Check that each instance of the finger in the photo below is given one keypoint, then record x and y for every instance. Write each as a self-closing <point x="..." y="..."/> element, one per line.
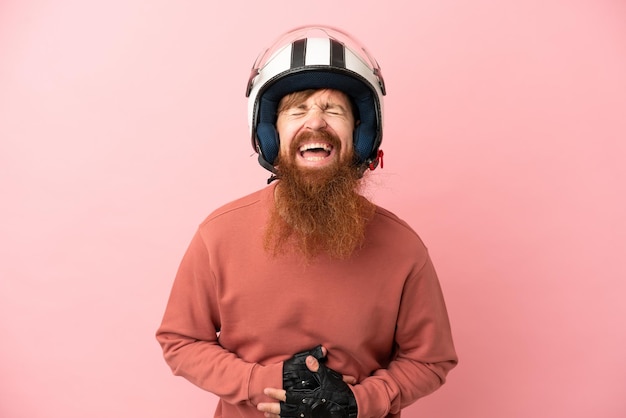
<point x="351" y="380"/>
<point x="278" y="394"/>
<point x="270" y="408"/>
<point x="324" y="351"/>
<point x="312" y="364"/>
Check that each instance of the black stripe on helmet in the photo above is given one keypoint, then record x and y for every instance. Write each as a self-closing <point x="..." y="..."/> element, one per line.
<point x="298" y="53"/>
<point x="337" y="54"/>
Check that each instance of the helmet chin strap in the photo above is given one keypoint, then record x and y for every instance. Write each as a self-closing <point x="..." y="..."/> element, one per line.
<point x="268" y="167"/>
<point x="272" y="178"/>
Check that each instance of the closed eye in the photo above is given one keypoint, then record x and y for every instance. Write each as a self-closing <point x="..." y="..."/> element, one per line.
<point x="334" y="109"/>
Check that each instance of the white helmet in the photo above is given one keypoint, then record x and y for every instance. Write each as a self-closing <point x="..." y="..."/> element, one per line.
<point x="315" y="57"/>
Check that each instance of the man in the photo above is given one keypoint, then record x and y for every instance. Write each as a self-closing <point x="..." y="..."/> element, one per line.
<point x="305" y="299"/>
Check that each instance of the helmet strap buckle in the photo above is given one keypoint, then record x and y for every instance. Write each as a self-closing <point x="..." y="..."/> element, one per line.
<point x="378" y="160"/>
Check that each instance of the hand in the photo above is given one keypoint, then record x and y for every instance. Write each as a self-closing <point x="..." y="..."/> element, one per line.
<point x="296" y="375"/>
<point x="273" y="409"/>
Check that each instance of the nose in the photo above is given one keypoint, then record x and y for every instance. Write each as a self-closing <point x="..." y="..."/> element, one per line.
<point x="315" y="119"/>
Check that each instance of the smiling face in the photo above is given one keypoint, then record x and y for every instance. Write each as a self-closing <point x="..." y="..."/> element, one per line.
<point x="315" y="128"/>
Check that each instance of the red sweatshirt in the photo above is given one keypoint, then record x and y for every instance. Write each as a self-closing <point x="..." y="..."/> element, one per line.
<point x="235" y="313"/>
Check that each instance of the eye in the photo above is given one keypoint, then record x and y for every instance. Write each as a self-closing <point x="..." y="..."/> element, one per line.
<point x="334" y="110"/>
<point x="295" y="112"/>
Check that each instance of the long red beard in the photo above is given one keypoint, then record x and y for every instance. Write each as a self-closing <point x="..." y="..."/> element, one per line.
<point x="318" y="210"/>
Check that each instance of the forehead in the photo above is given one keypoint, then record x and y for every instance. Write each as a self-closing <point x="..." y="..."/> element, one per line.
<point x="330" y="97"/>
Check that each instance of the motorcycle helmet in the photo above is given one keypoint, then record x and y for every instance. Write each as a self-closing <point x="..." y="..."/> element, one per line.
<point x="316" y="57"/>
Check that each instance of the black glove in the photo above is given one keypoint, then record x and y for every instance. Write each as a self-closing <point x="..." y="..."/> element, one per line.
<point x="331" y="398"/>
<point x="296" y="376"/>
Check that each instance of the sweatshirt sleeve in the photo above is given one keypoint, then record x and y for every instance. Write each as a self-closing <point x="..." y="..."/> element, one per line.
<point x="188" y="337"/>
<point x="424" y="351"/>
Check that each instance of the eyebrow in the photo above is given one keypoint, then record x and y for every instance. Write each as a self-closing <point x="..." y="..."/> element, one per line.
<point x="325" y="106"/>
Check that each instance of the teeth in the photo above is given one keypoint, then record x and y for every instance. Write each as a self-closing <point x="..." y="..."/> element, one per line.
<point x="320" y="145"/>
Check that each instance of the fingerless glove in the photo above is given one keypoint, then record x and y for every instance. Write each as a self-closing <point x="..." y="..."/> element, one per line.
<point x="296" y="376"/>
<point x="327" y="396"/>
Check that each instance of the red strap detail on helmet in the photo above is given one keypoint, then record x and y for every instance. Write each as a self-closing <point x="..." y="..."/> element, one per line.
<point x="378" y="160"/>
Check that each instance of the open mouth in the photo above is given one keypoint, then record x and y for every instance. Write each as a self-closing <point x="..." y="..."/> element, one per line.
<point x="315" y="151"/>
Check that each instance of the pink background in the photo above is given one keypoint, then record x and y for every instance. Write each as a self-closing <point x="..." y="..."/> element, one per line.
<point x="123" y="124"/>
